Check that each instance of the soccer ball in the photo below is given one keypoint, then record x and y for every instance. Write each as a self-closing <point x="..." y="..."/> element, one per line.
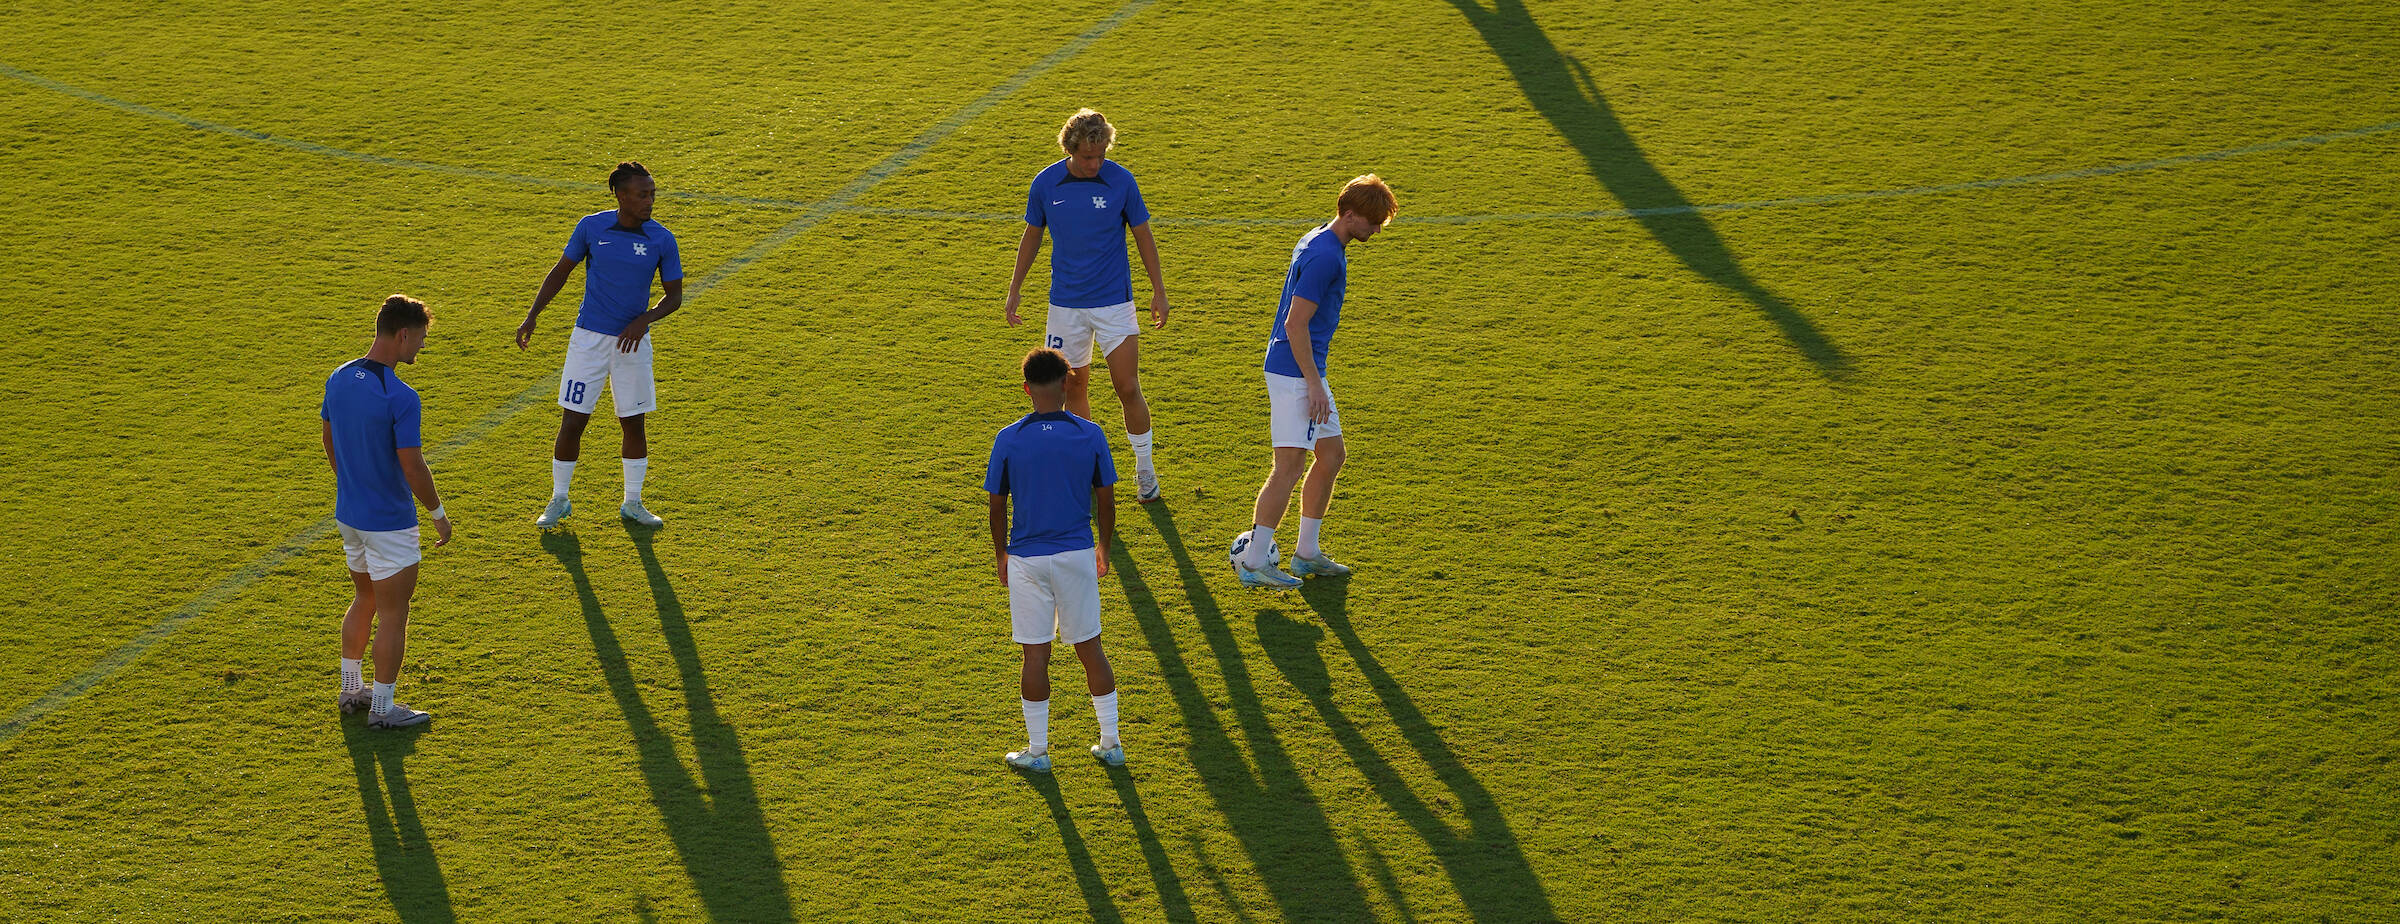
<point x="1241" y="544"/>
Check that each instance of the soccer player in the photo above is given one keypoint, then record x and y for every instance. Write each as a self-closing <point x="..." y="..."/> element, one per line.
<point x="1299" y="400"/>
<point x="1086" y="202"/>
<point x="371" y="438"/>
<point x="611" y="342"/>
<point x="1054" y="465"/>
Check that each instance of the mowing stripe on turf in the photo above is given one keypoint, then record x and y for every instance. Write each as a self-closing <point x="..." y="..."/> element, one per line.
<point x="815" y="211"/>
<point x="241" y="579"/>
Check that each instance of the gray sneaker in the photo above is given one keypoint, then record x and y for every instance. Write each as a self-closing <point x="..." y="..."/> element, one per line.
<point x="632" y="510"/>
<point x="558" y="510"/>
<point x="1149" y="485"/>
<point x="398" y="716"/>
<point x="357" y="700"/>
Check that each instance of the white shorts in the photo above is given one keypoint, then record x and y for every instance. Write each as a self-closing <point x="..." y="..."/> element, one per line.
<point x="1287" y="409"/>
<point x="379" y="554"/>
<point x="1073" y="331"/>
<point x="1054" y="595"/>
<point x="593" y="358"/>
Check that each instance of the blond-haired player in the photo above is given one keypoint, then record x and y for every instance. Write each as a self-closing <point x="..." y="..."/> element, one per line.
<point x="1300" y="400"/>
<point x="1087" y="202"/>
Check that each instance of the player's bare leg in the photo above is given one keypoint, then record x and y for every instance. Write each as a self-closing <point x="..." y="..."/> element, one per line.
<point x="1256" y="564"/>
<point x="358" y="626"/>
<point x="392" y="596"/>
<point x="1079" y="391"/>
<point x="563" y="453"/>
<point x="1125" y="375"/>
<point x="1101" y="682"/>
<point x="1315" y="495"/>
<point x="636" y="452"/>
<point x="1033" y="691"/>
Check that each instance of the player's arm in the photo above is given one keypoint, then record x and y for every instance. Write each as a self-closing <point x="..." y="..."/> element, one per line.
<point x="1104" y="514"/>
<point x="1295" y="329"/>
<point x="329" y="460"/>
<point x="420" y="483"/>
<point x="631" y="339"/>
<point x="1000" y="536"/>
<point x="1027" y="245"/>
<point x="1148" y="246"/>
<point x="550" y="285"/>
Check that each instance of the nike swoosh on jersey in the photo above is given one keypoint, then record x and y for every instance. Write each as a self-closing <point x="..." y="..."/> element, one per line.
<point x="1059" y="202"/>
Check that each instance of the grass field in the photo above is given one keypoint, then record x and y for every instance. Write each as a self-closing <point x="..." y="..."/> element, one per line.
<point x="1881" y="461"/>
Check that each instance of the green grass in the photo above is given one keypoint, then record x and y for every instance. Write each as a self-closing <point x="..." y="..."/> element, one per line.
<point x="2010" y="554"/>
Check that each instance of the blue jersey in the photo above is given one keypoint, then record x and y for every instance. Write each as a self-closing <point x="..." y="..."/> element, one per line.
<point x="374" y="415"/>
<point x="1048" y="465"/>
<point x="1087" y="219"/>
<point x="1320" y="269"/>
<point x="618" y="269"/>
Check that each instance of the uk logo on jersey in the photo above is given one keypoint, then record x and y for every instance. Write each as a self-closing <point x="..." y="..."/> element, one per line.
<point x="1099" y="202"/>
<point x="640" y="250"/>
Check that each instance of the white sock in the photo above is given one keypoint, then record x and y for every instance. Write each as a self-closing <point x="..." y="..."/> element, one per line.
<point x="634" y="470"/>
<point x="1308" y="536"/>
<point x="1141" y="450"/>
<point x="383" y="699"/>
<point x="350" y="678"/>
<point x="1037" y="726"/>
<point x="1254" y="556"/>
<point x="560" y="472"/>
<point x="1106" y="707"/>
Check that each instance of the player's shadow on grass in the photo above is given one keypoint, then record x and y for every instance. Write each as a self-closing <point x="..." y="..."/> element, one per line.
<point x="1561" y="89"/>
<point x="411" y="875"/>
<point x="1484" y="861"/>
<point x="1079" y="856"/>
<point x="715" y="820"/>
<point x="1286" y="833"/>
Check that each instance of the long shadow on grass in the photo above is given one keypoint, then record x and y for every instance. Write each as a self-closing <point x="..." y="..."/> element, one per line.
<point x="1079" y="856"/>
<point x="714" y="821"/>
<point x="411" y="875"/>
<point x="1484" y="862"/>
<point x="1287" y="835"/>
<point x="1172" y="901"/>
<point x="1561" y="89"/>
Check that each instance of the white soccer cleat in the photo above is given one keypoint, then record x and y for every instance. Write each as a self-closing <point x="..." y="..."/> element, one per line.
<point x="398" y="716"/>
<point x="1112" y="755"/>
<point x="558" y="510"/>
<point x="1321" y="566"/>
<point x="1269" y="577"/>
<point x="1027" y="760"/>
<point x="358" y="700"/>
<point x="1148" y="481"/>
<point x="634" y="512"/>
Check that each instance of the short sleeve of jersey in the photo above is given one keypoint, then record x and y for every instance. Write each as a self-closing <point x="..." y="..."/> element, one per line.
<point x="578" y="247"/>
<point x="407" y="417"/>
<point x="1136" y="213"/>
<point x="670" y="263"/>
<point x="1033" y="204"/>
<point x="1316" y="279"/>
<point x="1106" y="474"/>
<point x="995" y="473"/>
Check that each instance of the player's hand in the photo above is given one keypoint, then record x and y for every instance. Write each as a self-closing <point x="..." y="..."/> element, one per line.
<point x="1011" y="310"/>
<point x="1320" y="403"/>
<point x="441" y="532"/>
<point x="1101" y="552"/>
<point x="1000" y="564"/>
<point x="525" y="332"/>
<point x="1158" y="310"/>
<point x="631" y="339"/>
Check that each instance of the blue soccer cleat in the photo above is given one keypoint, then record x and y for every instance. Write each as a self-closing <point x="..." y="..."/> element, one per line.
<point x="556" y="511"/>
<point x="1269" y="577"/>
<point x="1027" y="760"/>
<point x="1321" y="566"/>
<point x="635" y="513"/>
<point x="1112" y="755"/>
